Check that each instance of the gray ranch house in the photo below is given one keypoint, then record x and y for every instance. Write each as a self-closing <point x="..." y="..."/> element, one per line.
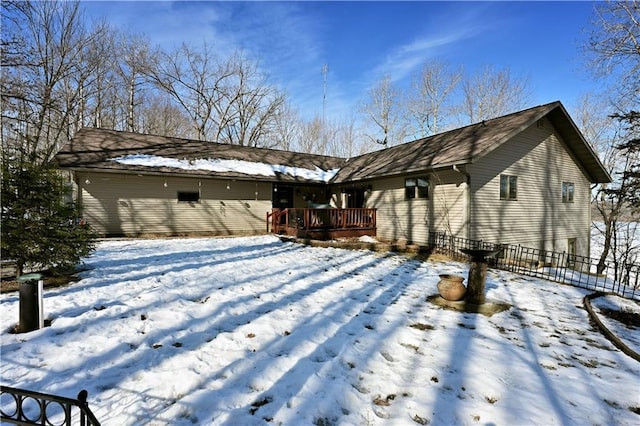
<point x="524" y="178"/>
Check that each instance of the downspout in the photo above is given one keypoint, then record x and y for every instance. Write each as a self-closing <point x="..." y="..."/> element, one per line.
<point x="590" y="214"/>
<point x="467" y="177"/>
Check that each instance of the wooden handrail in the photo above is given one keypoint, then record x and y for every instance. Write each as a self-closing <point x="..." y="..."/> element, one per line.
<point x="326" y="218"/>
<point x="274" y="218"/>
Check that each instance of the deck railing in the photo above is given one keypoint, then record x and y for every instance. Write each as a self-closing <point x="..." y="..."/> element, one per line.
<point x="22" y="407"/>
<point x="320" y="219"/>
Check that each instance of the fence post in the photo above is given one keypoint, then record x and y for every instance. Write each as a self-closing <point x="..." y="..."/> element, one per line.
<point x="597" y="275"/>
<point x="565" y="262"/>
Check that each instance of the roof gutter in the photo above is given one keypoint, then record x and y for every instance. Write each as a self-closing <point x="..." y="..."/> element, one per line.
<point x="168" y="173"/>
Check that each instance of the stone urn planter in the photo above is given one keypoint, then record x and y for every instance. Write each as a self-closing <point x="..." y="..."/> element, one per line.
<point x="451" y="288"/>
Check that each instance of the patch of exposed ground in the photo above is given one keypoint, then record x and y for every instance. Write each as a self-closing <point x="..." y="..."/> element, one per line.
<point x="10" y="283"/>
<point x="628" y="318"/>
<point x="488" y="309"/>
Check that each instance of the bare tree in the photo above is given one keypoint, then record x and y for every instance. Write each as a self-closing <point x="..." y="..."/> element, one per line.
<point x="44" y="71"/>
<point x="132" y="64"/>
<point x="614" y="46"/>
<point x="614" y="50"/>
<point x="249" y="116"/>
<point x="593" y="117"/>
<point x="196" y="80"/>
<point x="429" y="104"/>
<point x="227" y="101"/>
<point x="490" y="93"/>
<point x="159" y="115"/>
<point x="98" y="97"/>
<point x="612" y="204"/>
<point x="382" y="110"/>
<point x="346" y="142"/>
<point x="311" y="136"/>
<point x="329" y="143"/>
<point x="286" y="127"/>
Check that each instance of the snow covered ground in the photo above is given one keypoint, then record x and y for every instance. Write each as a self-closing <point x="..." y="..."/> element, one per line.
<point x="256" y="331"/>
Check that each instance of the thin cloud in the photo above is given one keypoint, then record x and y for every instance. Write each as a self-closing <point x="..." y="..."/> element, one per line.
<point x="287" y="40"/>
<point x="407" y="58"/>
<point x="166" y="24"/>
<point x="280" y="34"/>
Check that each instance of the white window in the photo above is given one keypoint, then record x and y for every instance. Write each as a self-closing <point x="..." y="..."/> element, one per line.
<point x="508" y="187"/>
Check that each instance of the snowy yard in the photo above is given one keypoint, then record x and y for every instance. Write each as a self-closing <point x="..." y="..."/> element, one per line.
<point x="244" y="331"/>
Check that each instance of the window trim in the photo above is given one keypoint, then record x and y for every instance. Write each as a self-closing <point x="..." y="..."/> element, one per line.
<point x="508" y="187"/>
<point x="568" y="192"/>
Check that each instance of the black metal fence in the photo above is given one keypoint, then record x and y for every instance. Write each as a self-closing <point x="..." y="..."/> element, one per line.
<point x="22" y="407"/>
<point x="562" y="267"/>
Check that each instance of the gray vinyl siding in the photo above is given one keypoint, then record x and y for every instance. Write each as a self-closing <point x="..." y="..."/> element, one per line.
<point x="538" y="218"/>
<point x="118" y="204"/>
<point x="400" y="219"/>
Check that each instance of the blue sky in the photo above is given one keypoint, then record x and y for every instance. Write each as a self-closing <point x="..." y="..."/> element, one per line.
<point x="363" y="41"/>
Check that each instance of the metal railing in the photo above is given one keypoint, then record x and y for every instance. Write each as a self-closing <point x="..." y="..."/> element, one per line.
<point x="562" y="267"/>
<point x="22" y="407"/>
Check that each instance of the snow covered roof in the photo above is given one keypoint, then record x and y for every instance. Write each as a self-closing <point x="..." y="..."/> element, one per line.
<point x="110" y="150"/>
<point x="218" y="165"/>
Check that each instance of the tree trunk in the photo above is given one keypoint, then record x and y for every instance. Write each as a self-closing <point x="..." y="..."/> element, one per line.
<point x="131" y="106"/>
<point x="606" y="247"/>
<point x="19" y="268"/>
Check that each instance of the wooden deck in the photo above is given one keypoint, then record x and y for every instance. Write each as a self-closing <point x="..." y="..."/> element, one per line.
<point x="322" y="224"/>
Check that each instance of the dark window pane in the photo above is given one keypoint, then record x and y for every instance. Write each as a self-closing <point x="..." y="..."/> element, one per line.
<point x="508" y="187"/>
<point x="423" y="188"/>
<point x="513" y="187"/>
<point x="188" y="196"/>
<point x="570" y="193"/>
<point x="504" y="187"/>
<point x="567" y="192"/>
<point x="410" y="192"/>
<point x="410" y="188"/>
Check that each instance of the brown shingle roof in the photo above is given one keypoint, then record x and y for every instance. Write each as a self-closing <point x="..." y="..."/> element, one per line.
<point x="467" y="145"/>
<point x="95" y="149"/>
